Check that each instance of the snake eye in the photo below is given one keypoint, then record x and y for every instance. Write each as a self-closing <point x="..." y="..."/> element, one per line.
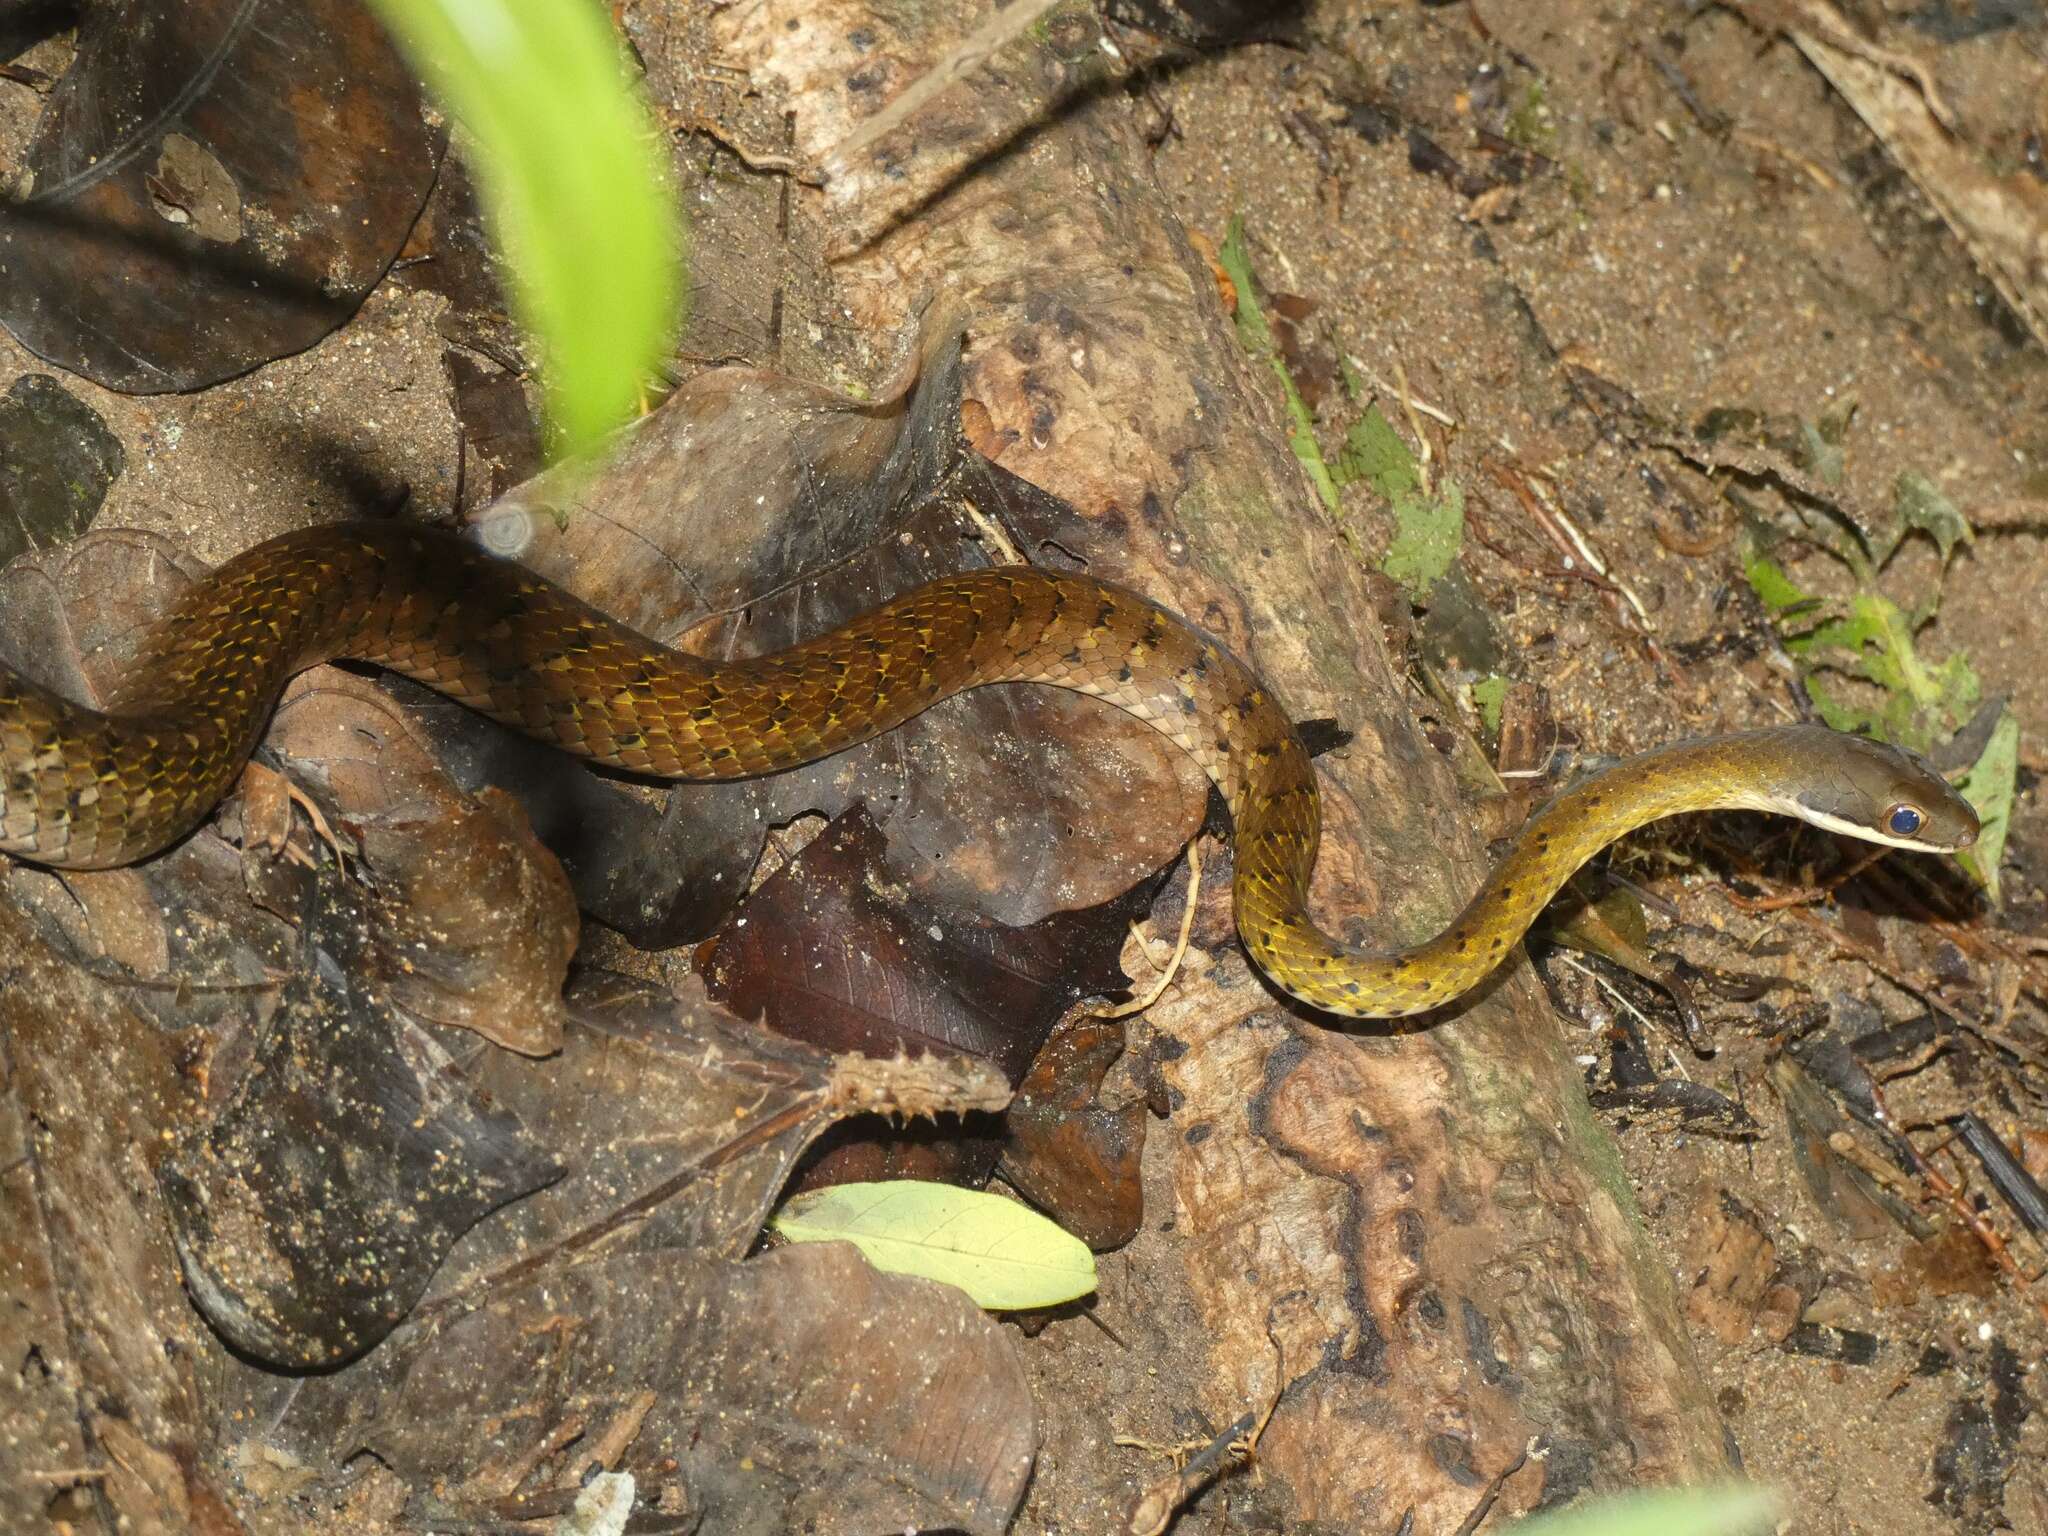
<point x="1904" y="820"/>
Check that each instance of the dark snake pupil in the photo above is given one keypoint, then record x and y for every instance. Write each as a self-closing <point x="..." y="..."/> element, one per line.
<point x="1905" y="821"/>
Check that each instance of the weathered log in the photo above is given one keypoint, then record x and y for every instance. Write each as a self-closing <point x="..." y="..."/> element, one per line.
<point x="1421" y="1243"/>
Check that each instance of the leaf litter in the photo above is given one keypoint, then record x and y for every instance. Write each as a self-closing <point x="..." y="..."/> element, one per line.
<point x="334" y="1169"/>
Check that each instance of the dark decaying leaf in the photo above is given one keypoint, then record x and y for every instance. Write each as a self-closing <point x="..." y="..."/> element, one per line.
<point x="99" y="1342"/>
<point x="802" y="1390"/>
<point x="311" y="1212"/>
<point x="829" y="950"/>
<point x="499" y="435"/>
<point x="1979" y="1447"/>
<point x="475" y="924"/>
<point x="70" y="615"/>
<point x="832" y="950"/>
<point x="1067" y="1153"/>
<point x="57" y="459"/>
<point x="214" y="183"/>
<point x="753" y="510"/>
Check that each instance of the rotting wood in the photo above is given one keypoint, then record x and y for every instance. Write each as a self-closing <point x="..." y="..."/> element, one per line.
<point x="1431" y="1226"/>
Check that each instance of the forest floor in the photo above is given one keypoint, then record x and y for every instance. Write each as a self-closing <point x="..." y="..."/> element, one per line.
<point x="1542" y="237"/>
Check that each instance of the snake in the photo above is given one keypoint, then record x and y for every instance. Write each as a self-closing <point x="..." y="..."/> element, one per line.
<point x="84" y="788"/>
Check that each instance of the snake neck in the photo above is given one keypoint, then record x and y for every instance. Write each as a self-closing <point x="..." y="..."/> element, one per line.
<point x="1552" y="845"/>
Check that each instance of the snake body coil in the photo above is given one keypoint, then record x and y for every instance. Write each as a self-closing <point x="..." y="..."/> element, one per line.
<point x="82" y="789"/>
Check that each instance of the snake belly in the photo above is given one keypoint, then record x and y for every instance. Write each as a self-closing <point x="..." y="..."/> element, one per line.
<point x="87" y="789"/>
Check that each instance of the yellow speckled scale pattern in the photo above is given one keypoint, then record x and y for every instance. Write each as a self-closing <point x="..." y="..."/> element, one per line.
<point x="81" y="789"/>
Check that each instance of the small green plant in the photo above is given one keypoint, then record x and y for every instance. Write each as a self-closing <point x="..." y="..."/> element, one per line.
<point x="1257" y="336"/>
<point x="1429" y="523"/>
<point x="570" y="167"/>
<point x="1869" y="642"/>
<point x="1004" y="1255"/>
<point x="1429" y="526"/>
<point x="1489" y="696"/>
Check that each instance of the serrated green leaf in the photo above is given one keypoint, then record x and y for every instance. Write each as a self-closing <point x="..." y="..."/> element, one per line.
<point x="1774" y="589"/>
<point x="1989" y="786"/>
<point x="1874" y="641"/>
<point x="1488" y="695"/>
<point x="1373" y="452"/>
<point x="1002" y="1254"/>
<point x="1919" y="504"/>
<point x="1732" y="1510"/>
<point x="1428" y="533"/>
<point x="570" y="167"/>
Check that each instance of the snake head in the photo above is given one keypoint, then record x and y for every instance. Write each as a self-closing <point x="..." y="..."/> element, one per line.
<point x="1875" y="791"/>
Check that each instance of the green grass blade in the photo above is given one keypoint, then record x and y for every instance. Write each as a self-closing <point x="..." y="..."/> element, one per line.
<point x="570" y="169"/>
<point x="1734" y="1510"/>
<point x="1256" y="335"/>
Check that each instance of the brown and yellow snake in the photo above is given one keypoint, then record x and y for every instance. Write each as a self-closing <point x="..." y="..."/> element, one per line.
<point x="81" y="789"/>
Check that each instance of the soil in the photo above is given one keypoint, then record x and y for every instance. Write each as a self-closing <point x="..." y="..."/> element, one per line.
<point x="1702" y="223"/>
<point x="1718" y="230"/>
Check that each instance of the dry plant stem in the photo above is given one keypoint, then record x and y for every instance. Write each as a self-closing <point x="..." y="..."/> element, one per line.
<point x="1955" y="1198"/>
<point x="1158" y="1504"/>
<point x="1155" y="1508"/>
<point x="611" y="1444"/>
<point x="1625" y="608"/>
<point x="1180" y="945"/>
<point x="1825" y="23"/>
<point x="1487" y="1499"/>
<point x="1806" y="895"/>
<point x="1613" y="993"/>
<point x="968" y="55"/>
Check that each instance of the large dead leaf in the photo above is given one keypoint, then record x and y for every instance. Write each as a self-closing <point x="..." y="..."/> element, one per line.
<point x="828" y="951"/>
<point x="214" y="183"/>
<point x="311" y="1212"/>
<point x="94" y="1328"/>
<point x="831" y="950"/>
<point x="801" y="1391"/>
<point x="476" y="923"/>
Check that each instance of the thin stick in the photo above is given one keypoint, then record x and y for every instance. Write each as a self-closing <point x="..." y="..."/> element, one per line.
<point x="1180" y="945"/>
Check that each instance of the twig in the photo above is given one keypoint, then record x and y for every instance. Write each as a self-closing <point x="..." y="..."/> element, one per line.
<point x="1806" y="895"/>
<point x="1485" y="1505"/>
<point x="1951" y="1194"/>
<point x="1157" y="1505"/>
<point x="1180" y="945"/>
<point x="1409" y="402"/>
